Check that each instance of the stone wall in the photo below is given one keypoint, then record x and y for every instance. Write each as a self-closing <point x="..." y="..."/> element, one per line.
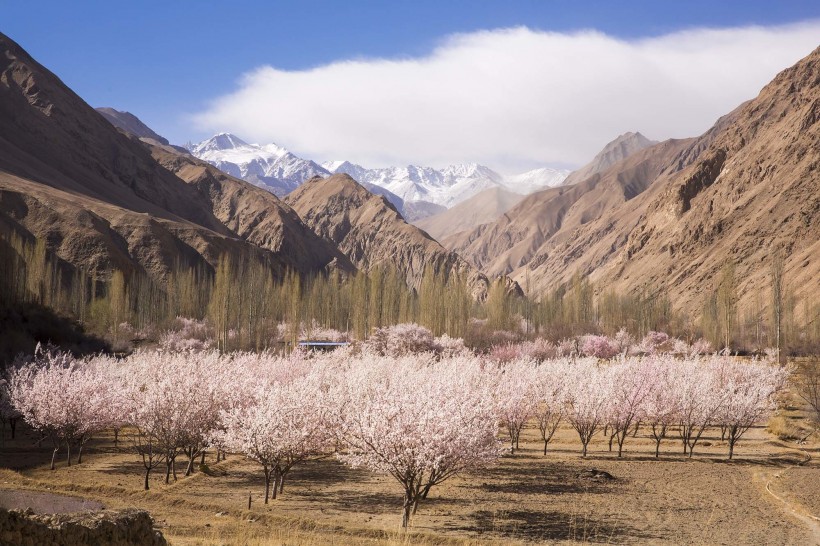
<point x="111" y="527"/>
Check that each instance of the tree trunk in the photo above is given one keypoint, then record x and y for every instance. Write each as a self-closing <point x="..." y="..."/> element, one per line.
<point x="54" y="456"/>
<point x="116" y="436"/>
<point x="147" y="472"/>
<point x="657" y="448"/>
<point x="545" y="447"/>
<point x="174" y="467"/>
<point x="267" y="484"/>
<point x="168" y="463"/>
<point x="275" y="488"/>
<point x="202" y="458"/>
<point x="407" y="511"/>
<point x="13" y="424"/>
<point x="68" y="452"/>
<point x="80" y="453"/>
<point x="190" y="468"/>
<point x="281" y="483"/>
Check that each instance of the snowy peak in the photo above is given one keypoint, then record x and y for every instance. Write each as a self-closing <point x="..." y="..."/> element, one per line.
<point x="219" y="142"/>
<point x="357" y="172"/>
<point x="448" y="186"/>
<point x="422" y="188"/>
<point x="268" y="166"/>
<point x="535" y="180"/>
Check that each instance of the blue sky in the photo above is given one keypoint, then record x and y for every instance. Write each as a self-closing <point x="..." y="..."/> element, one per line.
<point x="167" y="60"/>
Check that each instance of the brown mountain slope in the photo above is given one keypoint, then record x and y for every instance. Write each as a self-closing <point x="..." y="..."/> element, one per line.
<point x="130" y="123"/>
<point x="752" y="186"/>
<point x="254" y="214"/>
<point x="515" y="237"/>
<point x="96" y="196"/>
<point x="479" y="209"/>
<point x="369" y="230"/>
<point x="617" y="150"/>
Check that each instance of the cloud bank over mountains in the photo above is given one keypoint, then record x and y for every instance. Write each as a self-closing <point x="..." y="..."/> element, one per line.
<point x="510" y="98"/>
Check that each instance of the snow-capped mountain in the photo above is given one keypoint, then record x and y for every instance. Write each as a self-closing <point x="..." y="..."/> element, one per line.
<point x="268" y="166"/>
<point x="535" y="180"/>
<point x="444" y="187"/>
<point x="449" y="186"/>
<point x="415" y="191"/>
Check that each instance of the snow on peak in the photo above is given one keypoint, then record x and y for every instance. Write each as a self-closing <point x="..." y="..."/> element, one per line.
<point x="448" y="186"/>
<point x="535" y="180"/>
<point x="220" y="141"/>
<point x="269" y="166"/>
<point x="280" y="171"/>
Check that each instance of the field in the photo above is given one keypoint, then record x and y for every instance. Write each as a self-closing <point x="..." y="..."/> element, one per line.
<point x="769" y="494"/>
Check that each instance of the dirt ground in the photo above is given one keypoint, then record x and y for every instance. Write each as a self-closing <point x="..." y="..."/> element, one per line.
<point x="770" y="494"/>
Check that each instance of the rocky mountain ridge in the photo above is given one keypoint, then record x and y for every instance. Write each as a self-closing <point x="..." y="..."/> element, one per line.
<point x="744" y="193"/>
<point x="101" y="202"/>
<point x="372" y="233"/>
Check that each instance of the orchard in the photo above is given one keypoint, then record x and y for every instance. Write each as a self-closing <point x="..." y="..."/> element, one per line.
<point x="417" y="417"/>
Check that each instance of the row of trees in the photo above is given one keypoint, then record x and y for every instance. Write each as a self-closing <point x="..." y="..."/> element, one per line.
<point x="245" y="299"/>
<point x="420" y="418"/>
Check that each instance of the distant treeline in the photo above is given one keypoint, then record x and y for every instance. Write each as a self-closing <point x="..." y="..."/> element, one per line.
<point x="245" y="301"/>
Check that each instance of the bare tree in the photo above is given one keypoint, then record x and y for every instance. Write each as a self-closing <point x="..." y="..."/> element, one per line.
<point x="777" y="300"/>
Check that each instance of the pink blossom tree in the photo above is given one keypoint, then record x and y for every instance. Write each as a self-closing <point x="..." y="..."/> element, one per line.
<point x="514" y="397"/>
<point x="660" y="409"/>
<point x="629" y="382"/>
<point x="164" y="404"/>
<point x="748" y="395"/>
<point x="417" y="421"/>
<point x="401" y="339"/>
<point x="61" y="398"/>
<point x="599" y="347"/>
<point x="549" y="397"/>
<point x="588" y="393"/>
<point x="697" y="397"/>
<point x="654" y="342"/>
<point x="284" y="425"/>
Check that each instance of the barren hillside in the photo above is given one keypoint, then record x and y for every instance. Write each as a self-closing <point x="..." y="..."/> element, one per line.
<point x="100" y="200"/>
<point x="740" y="192"/>
<point x="553" y="214"/>
<point x="479" y="209"/>
<point x="371" y="232"/>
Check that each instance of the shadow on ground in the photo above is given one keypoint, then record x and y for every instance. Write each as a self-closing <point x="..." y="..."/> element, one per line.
<point x="548" y="526"/>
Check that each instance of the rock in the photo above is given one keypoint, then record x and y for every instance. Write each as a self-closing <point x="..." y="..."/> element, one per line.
<point x="110" y="527"/>
<point x="596" y="475"/>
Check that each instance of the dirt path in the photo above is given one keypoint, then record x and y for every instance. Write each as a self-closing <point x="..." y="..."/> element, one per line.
<point x="765" y="478"/>
<point x="45" y="503"/>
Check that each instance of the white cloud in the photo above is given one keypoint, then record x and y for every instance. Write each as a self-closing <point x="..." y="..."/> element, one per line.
<point x="510" y="98"/>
